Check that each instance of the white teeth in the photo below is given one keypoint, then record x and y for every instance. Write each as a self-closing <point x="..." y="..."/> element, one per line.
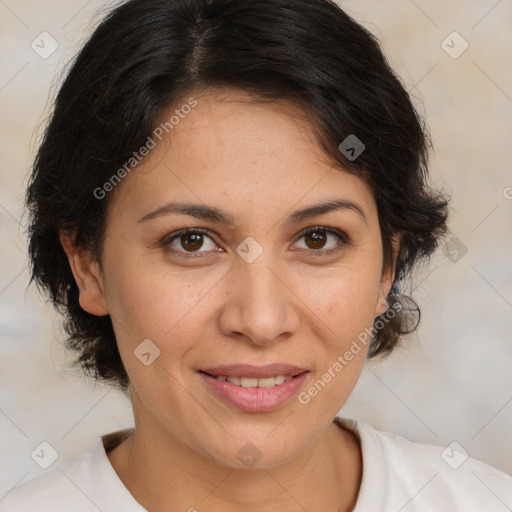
<point x="250" y="382"/>
<point x="269" y="382"/>
<point x="247" y="382"/>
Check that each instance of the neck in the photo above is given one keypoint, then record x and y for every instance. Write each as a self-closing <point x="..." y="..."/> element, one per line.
<point x="158" y="469"/>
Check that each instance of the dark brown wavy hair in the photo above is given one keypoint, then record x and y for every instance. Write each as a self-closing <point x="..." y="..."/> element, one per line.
<point x="147" y="54"/>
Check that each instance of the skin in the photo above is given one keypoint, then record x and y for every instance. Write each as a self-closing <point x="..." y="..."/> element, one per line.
<point x="258" y="163"/>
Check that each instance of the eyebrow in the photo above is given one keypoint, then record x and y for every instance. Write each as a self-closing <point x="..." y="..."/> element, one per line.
<point x="213" y="214"/>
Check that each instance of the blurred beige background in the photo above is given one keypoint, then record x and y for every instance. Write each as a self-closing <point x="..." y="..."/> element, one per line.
<point x="452" y="381"/>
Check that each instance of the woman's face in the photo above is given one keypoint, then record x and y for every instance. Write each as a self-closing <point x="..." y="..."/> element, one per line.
<point x="249" y="288"/>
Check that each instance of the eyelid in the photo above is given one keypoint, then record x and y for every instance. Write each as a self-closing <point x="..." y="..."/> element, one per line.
<point x="327" y="229"/>
<point x="343" y="238"/>
<point x="170" y="237"/>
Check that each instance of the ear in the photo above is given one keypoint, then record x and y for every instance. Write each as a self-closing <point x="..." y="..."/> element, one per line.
<point x="86" y="272"/>
<point x="387" y="280"/>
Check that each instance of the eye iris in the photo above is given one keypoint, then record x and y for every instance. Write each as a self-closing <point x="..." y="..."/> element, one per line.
<point x="318" y="239"/>
<point x="192" y="241"/>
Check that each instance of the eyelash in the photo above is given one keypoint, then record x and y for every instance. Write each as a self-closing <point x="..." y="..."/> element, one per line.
<point x="168" y="239"/>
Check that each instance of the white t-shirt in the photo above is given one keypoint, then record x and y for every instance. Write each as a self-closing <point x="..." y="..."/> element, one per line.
<point x="398" y="475"/>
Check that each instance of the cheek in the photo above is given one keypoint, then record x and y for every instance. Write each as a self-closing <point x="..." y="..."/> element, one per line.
<point x="148" y="303"/>
<point x="160" y="307"/>
<point x="345" y="300"/>
<point x="344" y="306"/>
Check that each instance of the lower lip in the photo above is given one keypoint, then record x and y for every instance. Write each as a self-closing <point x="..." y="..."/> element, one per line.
<point x="255" y="399"/>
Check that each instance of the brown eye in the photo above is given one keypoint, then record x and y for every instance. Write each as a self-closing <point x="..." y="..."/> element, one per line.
<point x="322" y="240"/>
<point x="189" y="241"/>
<point x="317" y="239"/>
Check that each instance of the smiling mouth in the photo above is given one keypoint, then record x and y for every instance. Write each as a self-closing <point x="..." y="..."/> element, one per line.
<point x="255" y="389"/>
<point x="253" y="382"/>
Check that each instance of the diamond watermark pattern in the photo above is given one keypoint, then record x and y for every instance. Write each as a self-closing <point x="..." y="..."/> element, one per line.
<point x="454" y="45"/>
<point x="454" y="455"/>
<point x="249" y="454"/>
<point x="44" y="45"/>
<point x="249" y="250"/>
<point x="44" y="455"/>
<point x="454" y="249"/>
<point x="352" y="147"/>
<point x="147" y="352"/>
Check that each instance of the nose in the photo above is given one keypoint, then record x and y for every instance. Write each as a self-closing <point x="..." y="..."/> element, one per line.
<point x="260" y="307"/>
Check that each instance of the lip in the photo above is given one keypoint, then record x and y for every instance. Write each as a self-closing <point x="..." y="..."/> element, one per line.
<point x="255" y="399"/>
<point x="255" y="372"/>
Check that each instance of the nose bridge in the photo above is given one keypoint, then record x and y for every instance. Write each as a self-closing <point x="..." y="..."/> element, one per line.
<point x="261" y="281"/>
<point x="261" y="305"/>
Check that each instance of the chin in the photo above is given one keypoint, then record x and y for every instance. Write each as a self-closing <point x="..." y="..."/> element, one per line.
<point x="254" y="452"/>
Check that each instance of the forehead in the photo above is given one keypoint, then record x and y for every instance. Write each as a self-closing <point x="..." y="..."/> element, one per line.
<point x="237" y="126"/>
<point x="230" y="150"/>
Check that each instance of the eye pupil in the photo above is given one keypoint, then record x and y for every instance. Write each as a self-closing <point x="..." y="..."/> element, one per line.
<point x="192" y="241"/>
<point x="318" y="239"/>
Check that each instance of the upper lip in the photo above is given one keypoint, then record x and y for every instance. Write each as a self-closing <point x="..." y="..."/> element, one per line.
<point x="257" y="372"/>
